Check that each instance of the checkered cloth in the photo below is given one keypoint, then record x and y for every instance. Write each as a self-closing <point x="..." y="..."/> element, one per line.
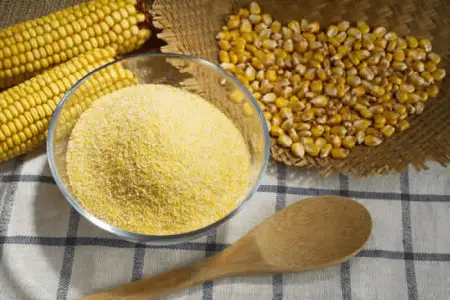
<point x="47" y="251"/>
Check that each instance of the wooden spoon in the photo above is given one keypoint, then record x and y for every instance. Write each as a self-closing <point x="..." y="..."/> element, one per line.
<point x="309" y="234"/>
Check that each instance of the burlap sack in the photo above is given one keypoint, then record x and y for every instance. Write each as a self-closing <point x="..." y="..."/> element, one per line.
<point x="190" y="27"/>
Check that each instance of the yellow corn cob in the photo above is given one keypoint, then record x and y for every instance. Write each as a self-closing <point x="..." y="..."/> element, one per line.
<point x="30" y="47"/>
<point x="26" y="109"/>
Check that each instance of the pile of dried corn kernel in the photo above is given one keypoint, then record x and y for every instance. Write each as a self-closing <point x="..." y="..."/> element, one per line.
<point x="323" y="92"/>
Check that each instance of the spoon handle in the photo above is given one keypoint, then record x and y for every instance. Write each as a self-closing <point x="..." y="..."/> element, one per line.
<point x="238" y="259"/>
<point x="156" y="286"/>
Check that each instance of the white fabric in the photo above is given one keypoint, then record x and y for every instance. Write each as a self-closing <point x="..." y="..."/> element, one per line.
<point x="407" y="256"/>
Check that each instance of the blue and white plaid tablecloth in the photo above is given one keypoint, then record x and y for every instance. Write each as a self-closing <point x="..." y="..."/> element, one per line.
<point x="47" y="251"/>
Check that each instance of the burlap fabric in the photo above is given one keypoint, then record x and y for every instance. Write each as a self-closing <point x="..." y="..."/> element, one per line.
<point x="190" y="27"/>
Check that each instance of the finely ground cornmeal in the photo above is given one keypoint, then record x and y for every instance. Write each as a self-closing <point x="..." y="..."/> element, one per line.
<point x="154" y="159"/>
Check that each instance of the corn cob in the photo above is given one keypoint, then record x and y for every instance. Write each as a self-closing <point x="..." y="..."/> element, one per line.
<point x="26" y="109"/>
<point x="32" y="46"/>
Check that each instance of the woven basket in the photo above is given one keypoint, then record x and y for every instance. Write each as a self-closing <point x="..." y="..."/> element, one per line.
<point x="190" y="27"/>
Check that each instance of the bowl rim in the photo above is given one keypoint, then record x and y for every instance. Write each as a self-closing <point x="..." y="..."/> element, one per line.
<point x="145" y="238"/>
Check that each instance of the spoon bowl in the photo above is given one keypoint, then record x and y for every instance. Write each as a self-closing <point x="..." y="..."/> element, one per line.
<point x="309" y="234"/>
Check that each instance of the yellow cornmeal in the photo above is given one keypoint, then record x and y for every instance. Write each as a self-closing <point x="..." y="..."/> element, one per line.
<point x="154" y="159"/>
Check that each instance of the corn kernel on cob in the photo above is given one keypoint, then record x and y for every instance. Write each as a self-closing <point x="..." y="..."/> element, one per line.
<point x="26" y="109"/>
<point x="28" y="48"/>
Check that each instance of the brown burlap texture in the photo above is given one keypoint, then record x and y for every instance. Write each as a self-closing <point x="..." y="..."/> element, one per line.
<point x="190" y="27"/>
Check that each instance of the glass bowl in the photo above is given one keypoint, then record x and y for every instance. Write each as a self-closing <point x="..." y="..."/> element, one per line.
<point x="191" y="73"/>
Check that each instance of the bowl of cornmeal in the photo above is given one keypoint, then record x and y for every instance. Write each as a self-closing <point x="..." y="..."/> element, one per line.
<point x="158" y="148"/>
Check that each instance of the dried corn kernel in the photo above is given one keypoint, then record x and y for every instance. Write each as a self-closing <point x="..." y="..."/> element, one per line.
<point x="403" y="125"/>
<point x="276" y="131"/>
<point x="312" y="149"/>
<point x="387" y="130"/>
<point x="286" y="113"/>
<point x="362" y="124"/>
<point x="349" y="141"/>
<point x="332" y="31"/>
<point x="298" y="149"/>
<point x="325" y="151"/>
<point x="320" y="101"/>
<point x="360" y="136"/>
<point x="335" y="119"/>
<point x="374" y="132"/>
<point x="320" y="142"/>
<point x="254" y="8"/>
<point x="317" y="130"/>
<point x="438" y="74"/>
<point x="339" y="152"/>
<point x="371" y="140"/>
<point x="293" y="135"/>
<point x="432" y="91"/>
<point x="412" y="42"/>
<point x="287" y="124"/>
<point x="316" y="86"/>
<point x="281" y="102"/>
<point x="306" y="140"/>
